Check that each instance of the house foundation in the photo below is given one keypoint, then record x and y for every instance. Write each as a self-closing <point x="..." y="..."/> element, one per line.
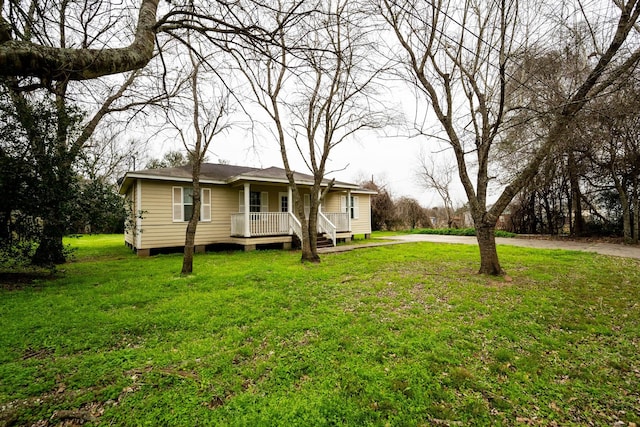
<point x="143" y="253"/>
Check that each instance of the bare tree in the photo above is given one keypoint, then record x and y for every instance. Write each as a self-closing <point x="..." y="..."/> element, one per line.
<point x="383" y="208"/>
<point x="127" y="43"/>
<point x="438" y="178"/>
<point x="209" y="108"/>
<point x="458" y="58"/>
<point x="316" y="88"/>
<point x="615" y="153"/>
<point x="26" y="49"/>
<point x="108" y="155"/>
<point x="76" y="108"/>
<point x="411" y="215"/>
<point x="552" y="74"/>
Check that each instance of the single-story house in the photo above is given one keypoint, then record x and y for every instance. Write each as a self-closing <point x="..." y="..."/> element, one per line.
<point x="240" y="205"/>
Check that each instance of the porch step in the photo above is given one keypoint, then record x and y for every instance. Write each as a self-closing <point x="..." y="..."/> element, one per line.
<point x="324" y="242"/>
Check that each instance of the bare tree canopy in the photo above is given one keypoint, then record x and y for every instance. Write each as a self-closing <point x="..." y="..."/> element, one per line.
<point x="21" y="56"/>
<point x="437" y="177"/>
<point x="104" y="38"/>
<point x="317" y="85"/>
<point x="461" y="59"/>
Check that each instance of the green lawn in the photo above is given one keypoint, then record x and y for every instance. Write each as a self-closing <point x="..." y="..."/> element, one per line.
<point x="395" y="335"/>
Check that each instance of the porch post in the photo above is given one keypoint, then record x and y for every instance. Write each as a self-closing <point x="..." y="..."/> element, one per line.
<point x="349" y="209"/>
<point x="319" y="201"/>
<point x="247" y="224"/>
<point x="289" y="207"/>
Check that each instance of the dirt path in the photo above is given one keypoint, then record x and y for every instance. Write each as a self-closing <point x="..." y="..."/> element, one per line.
<point x="598" y="247"/>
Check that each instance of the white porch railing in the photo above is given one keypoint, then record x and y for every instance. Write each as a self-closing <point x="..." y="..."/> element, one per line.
<point x="339" y="219"/>
<point x="327" y="227"/>
<point x="237" y="224"/>
<point x="296" y="227"/>
<point x="261" y="224"/>
<point x="284" y="223"/>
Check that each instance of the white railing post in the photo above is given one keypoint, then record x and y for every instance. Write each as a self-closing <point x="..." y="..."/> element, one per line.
<point x="349" y="210"/>
<point x="327" y="227"/>
<point x="247" y="220"/>
<point x="296" y="227"/>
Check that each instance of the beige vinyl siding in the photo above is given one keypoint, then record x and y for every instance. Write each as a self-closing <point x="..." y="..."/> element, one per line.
<point x="332" y="202"/>
<point x="224" y="202"/>
<point x="362" y="225"/>
<point x="158" y="228"/>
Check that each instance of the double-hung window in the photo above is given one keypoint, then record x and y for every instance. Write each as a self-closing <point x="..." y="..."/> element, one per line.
<point x="284" y="202"/>
<point x="254" y="201"/>
<point x="353" y="208"/>
<point x="183" y="204"/>
<point x="258" y="201"/>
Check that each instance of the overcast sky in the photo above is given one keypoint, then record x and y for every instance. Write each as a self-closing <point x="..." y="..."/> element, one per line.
<point x="391" y="160"/>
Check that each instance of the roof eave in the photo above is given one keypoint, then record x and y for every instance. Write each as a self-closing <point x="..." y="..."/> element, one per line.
<point x="132" y="176"/>
<point x="341" y="185"/>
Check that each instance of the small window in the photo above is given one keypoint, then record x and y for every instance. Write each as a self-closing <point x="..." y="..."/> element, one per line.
<point x="205" y="205"/>
<point x="254" y="201"/>
<point x="183" y="204"/>
<point x="284" y="202"/>
<point x="353" y="208"/>
<point x="187" y="203"/>
<point x="258" y="201"/>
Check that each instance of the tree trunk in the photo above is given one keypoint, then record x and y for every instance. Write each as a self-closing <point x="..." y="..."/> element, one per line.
<point x="489" y="263"/>
<point x="187" y="260"/>
<point x="54" y="195"/>
<point x="310" y="243"/>
<point x="23" y="58"/>
<point x="190" y="235"/>
<point x="636" y="210"/>
<point x="626" y="210"/>
<point x="576" y="221"/>
<point x="50" y="250"/>
<point x="626" y="223"/>
<point x="189" y="247"/>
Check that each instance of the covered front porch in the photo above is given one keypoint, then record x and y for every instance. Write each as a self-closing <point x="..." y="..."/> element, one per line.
<point x="257" y="217"/>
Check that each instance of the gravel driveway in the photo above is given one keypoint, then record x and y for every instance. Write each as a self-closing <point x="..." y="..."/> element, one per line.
<point x="627" y="251"/>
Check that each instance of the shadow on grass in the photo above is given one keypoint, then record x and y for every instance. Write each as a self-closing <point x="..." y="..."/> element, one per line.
<point x="15" y="281"/>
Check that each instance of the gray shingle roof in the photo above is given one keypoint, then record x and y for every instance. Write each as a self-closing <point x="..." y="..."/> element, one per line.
<point x="223" y="173"/>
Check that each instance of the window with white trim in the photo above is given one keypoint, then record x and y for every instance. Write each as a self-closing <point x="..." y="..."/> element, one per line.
<point x="183" y="204"/>
<point x="354" y="207"/>
<point x="254" y="201"/>
<point x="258" y="201"/>
<point x="205" y="204"/>
<point x="284" y="202"/>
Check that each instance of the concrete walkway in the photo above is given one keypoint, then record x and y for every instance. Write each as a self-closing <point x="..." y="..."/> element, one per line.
<point x="613" y="249"/>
